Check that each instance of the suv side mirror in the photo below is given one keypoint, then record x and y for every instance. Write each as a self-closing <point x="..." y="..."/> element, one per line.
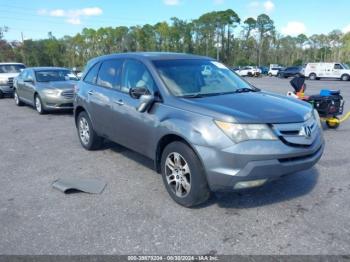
<point x="137" y="92"/>
<point x="146" y="102"/>
<point x="145" y="97"/>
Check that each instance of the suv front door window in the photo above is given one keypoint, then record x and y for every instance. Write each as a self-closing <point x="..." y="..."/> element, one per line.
<point x="126" y="117"/>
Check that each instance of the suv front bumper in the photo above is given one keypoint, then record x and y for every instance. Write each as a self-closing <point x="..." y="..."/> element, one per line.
<point x="259" y="161"/>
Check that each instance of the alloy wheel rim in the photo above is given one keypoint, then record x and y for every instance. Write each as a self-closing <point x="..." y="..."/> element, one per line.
<point x="178" y="174"/>
<point x="84" y="131"/>
<point x="16" y="98"/>
<point x="38" y="104"/>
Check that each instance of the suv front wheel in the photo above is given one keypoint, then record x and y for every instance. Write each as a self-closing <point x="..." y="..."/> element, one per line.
<point x="87" y="136"/>
<point x="183" y="175"/>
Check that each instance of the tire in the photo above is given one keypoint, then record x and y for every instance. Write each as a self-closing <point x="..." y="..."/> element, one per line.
<point x="333" y="124"/>
<point x="270" y="74"/>
<point x="312" y="76"/>
<point x="38" y="104"/>
<point x="17" y="100"/>
<point x="1" y="95"/>
<point x="345" y="77"/>
<point x="87" y="136"/>
<point x="186" y="186"/>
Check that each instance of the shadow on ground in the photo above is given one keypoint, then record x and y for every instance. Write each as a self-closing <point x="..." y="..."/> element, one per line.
<point x="286" y="188"/>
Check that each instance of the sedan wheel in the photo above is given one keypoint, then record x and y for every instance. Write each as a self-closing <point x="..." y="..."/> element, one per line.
<point x="178" y="174"/>
<point x="17" y="100"/>
<point x="39" y="105"/>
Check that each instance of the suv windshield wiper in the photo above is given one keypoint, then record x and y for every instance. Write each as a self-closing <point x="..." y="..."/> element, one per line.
<point x="197" y="95"/>
<point x="239" y="90"/>
<point x="245" y="90"/>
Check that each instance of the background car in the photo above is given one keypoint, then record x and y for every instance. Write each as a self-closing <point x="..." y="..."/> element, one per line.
<point x="45" y="88"/>
<point x="291" y="71"/>
<point x="8" y="71"/>
<point x="316" y="71"/>
<point x="264" y="70"/>
<point x="249" y="71"/>
<point x="274" y="71"/>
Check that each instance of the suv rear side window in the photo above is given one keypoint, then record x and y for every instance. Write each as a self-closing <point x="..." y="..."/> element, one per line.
<point x="92" y="74"/>
<point x="109" y="74"/>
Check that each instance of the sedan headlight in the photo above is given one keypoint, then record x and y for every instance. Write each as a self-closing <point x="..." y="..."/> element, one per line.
<point x="243" y="132"/>
<point x="52" y="92"/>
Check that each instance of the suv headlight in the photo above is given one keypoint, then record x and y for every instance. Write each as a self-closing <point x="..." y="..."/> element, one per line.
<point x="317" y="118"/>
<point x="3" y="81"/>
<point x="243" y="132"/>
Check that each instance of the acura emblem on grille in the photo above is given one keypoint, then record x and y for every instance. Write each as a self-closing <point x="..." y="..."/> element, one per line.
<point x="305" y="131"/>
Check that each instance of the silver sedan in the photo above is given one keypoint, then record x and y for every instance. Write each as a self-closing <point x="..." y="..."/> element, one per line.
<point x="45" y="88"/>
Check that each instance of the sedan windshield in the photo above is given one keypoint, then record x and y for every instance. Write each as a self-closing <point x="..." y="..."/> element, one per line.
<point x="8" y="68"/>
<point x="199" y="77"/>
<point x="54" y="75"/>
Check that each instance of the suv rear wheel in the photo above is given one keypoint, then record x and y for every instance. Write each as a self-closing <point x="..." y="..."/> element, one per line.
<point x="183" y="175"/>
<point x="87" y="136"/>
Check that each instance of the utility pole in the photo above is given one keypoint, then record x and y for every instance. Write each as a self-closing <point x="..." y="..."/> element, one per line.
<point x="22" y="49"/>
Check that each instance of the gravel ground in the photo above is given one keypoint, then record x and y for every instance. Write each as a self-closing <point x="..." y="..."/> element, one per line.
<point x="306" y="213"/>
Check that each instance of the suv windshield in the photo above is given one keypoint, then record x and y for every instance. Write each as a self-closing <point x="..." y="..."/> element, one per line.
<point x="199" y="77"/>
<point x="8" y="68"/>
<point x="55" y="75"/>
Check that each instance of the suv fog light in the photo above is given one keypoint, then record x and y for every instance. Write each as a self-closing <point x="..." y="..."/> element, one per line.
<point x="248" y="184"/>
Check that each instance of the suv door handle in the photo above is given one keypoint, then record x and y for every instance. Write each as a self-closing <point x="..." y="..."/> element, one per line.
<point x="91" y="92"/>
<point x="119" y="102"/>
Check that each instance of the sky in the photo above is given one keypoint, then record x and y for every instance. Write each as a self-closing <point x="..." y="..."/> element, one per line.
<point x="36" y="18"/>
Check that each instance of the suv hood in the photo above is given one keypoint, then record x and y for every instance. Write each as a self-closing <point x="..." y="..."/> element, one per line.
<point x="252" y="107"/>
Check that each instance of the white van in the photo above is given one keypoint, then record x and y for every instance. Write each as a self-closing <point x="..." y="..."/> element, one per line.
<point x="327" y="70"/>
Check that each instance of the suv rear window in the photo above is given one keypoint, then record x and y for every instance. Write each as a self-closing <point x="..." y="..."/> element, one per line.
<point x="91" y="76"/>
<point x="109" y="74"/>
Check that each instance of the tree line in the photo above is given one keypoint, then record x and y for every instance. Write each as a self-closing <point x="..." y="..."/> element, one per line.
<point x="218" y="34"/>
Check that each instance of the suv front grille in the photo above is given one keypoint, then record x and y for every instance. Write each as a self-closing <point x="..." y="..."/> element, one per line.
<point x="10" y="81"/>
<point x="298" y="134"/>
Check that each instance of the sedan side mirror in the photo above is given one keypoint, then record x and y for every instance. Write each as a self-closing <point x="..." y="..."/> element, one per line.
<point x="28" y="80"/>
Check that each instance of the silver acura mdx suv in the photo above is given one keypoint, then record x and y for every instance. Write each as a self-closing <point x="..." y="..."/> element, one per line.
<point x="205" y="128"/>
